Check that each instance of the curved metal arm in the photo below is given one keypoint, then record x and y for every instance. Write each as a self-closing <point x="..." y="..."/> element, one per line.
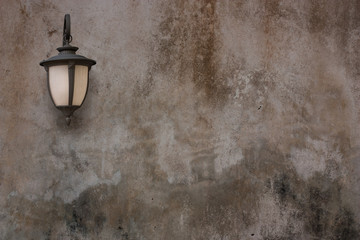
<point x="67" y="38"/>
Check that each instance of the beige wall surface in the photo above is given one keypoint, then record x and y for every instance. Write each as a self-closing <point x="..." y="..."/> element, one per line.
<point x="204" y="120"/>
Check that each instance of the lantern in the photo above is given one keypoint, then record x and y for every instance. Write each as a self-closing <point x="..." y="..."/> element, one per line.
<point x="67" y="75"/>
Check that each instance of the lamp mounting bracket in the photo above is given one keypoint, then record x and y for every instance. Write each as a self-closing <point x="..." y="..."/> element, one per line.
<point x="67" y="38"/>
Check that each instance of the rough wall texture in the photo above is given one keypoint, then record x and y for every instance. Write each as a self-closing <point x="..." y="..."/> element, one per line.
<point x="204" y="120"/>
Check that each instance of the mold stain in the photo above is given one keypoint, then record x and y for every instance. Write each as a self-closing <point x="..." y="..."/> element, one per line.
<point x="319" y="203"/>
<point x="282" y="187"/>
<point x="123" y="234"/>
<point x="317" y="200"/>
<point x="345" y="226"/>
<point x="84" y="215"/>
<point x="76" y="223"/>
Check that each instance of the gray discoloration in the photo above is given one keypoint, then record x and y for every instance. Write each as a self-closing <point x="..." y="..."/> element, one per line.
<point x="204" y="120"/>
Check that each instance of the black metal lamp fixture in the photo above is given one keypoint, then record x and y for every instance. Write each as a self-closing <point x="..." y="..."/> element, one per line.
<point x="67" y="75"/>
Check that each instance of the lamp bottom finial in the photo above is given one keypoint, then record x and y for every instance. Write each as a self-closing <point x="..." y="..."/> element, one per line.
<point x="68" y="120"/>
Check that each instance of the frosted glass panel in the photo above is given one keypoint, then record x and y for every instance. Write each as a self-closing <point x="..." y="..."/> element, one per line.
<point x="80" y="84"/>
<point x="59" y="84"/>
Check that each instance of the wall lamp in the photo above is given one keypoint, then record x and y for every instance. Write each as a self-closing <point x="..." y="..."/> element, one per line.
<point x="67" y="75"/>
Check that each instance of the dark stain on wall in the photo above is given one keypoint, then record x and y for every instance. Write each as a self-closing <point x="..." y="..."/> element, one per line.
<point x="205" y="69"/>
<point x="85" y="215"/>
<point x="283" y="188"/>
<point x="221" y="205"/>
<point x="187" y="43"/>
<point x="318" y="17"/>
<point x="319" y="204"/>
<point x="273" y="9"/>
<point x="345" y="226"/>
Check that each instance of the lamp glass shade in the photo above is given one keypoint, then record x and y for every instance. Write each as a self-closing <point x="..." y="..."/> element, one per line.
<point x="65" y="91"/>
<point x="59" y="84"/>
<point x="80" y="84"/>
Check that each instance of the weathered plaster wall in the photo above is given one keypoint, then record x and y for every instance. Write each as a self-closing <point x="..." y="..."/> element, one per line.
<point x="204" y="120"/>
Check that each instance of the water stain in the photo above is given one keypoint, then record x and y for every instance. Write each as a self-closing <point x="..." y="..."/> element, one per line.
<point x="205" y="69"/>
<point x="144" y="88"/>
<point x="318" y="17"/>
<point x="273" y="9"/>
<point x="186" y="42"/>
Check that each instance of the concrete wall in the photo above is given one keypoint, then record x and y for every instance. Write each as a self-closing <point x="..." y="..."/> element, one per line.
<point x="204" y="120"/>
